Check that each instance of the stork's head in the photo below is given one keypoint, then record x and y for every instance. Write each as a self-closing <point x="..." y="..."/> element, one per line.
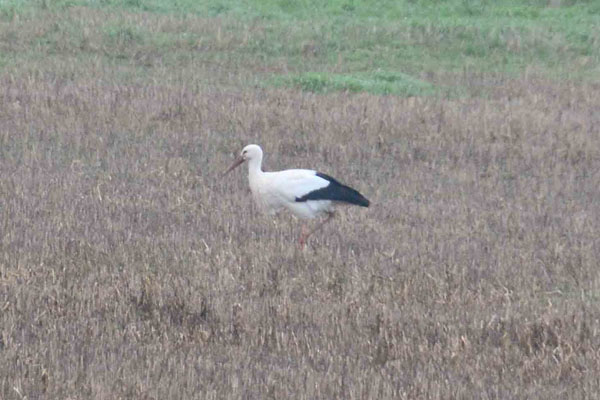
<point x="249" y="153"/>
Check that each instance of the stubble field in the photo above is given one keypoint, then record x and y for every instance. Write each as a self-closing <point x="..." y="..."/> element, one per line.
<point x="130" y="269"/>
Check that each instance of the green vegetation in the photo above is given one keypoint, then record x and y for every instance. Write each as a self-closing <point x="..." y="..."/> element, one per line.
<point x="425" y="46"/>
<point x="376" y="82"/>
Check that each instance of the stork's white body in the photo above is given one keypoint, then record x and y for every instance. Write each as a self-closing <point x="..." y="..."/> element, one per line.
<point x="304" y="192"/>
<point x="273" y="191"/>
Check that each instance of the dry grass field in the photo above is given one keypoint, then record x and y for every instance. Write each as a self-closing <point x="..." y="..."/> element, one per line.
<point x="129" y="269"/>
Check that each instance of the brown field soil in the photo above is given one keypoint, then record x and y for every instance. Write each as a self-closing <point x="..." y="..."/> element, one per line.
<point x="129" y="269"/>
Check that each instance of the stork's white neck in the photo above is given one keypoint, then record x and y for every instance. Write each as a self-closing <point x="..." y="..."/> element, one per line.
<point x="254" y="168"/>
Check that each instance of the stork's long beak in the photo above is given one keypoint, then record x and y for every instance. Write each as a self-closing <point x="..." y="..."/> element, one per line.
<point x="238" y="160"/>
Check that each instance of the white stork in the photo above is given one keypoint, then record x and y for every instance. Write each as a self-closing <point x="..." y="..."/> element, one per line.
<point x="304" y="192"/>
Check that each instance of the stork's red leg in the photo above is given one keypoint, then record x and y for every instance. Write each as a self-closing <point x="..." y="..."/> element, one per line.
<point x="305" y="233"/>
<point x="303" y="236"/>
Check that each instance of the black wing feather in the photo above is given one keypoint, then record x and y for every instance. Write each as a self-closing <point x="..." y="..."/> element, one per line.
<point x="335" y="191"/>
